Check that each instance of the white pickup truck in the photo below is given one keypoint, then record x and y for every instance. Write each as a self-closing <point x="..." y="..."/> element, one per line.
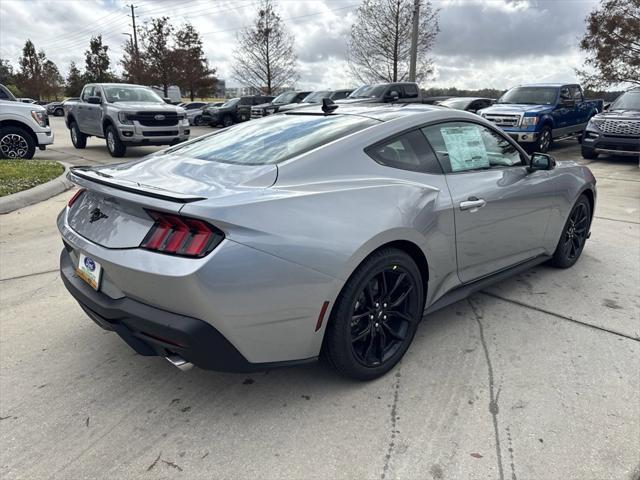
<point x="23" y="127"/>
<point x="124" y="115"/>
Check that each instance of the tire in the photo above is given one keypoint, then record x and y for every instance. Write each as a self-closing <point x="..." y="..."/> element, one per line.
<point x="227" y="121"/>
<point x="78" y="138"/>
<point x="574" y="235"/>
<point x="367" y="314"/>
<point x="115" y="146"/>
<point x="589" y="153"/>
<point x="198" y="121"/>
<point x="545" y="140"/>
<point x="58" y="112"/>
<point x="16" y="143"/>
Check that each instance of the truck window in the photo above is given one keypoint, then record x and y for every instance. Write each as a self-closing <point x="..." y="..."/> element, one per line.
<point x="87" y="92"/>
<point x="410" y="91"/>
<point x="576" y="93"/>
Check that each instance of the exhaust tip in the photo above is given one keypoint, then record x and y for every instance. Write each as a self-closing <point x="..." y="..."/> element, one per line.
<point x="179" y="362"/>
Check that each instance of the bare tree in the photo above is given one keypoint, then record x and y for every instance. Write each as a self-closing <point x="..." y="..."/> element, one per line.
<point x="380" y="42"/>
<point x="612" y="44"/>
<point x="265" y="57"/>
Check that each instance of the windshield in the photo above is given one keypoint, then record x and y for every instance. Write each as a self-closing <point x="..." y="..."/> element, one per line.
<point x="531" y="96"/>
<point x="368" y="91"/>
<point x="627" y="101"/>
<point x="119" y="93"/>
<point x="286" y="97"/>
<point x="231" y="103"/>
<point x="316" y="97"/>
<point x="273" y="139"/>
<point x="459" y="103"/>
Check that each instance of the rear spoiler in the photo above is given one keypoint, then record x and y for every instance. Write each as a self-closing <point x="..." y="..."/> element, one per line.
<point x="88" y="173"/>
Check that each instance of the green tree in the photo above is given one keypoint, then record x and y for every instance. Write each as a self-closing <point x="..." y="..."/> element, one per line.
<point x="193" y="75"/>
<point x="75" y="82"/>
<point x="97" y="61"/>
<point x="380" y="42"/>
<point x="53" y="81"/>
<point x="265" y="57"/>
<point x="29" y="75"/>
<point x="161" y="61"/>
<point x="6" y="72"/>
<point x="134" y="64"/>
<point x="612" y="45"/>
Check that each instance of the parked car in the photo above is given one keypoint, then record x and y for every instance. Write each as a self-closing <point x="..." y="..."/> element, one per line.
<point x="535" y="115"/>
<point x="260" y="246"/>
<point x="23" y="127"/>
<point x="401" y="92"/>
<point x="615" y="131"/>
<point x="316" y="97"/>
<point x="469" y="104"/>
<point x="273" y="106"/>
<point x="194" y="111"/>
<point x="25" y="100"/>
<point x="56" y="109"/>
<point x="235" y="110"/>
<point x="125" y="115"/>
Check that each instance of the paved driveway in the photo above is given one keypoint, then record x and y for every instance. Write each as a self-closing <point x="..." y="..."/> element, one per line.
<point x="535" y="378"/>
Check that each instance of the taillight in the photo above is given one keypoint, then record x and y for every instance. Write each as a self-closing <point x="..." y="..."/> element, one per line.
<point x="76" y="196"/>
<point x="177" y="235"/>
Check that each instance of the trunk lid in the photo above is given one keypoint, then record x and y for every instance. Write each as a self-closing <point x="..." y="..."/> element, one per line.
<point x="112" y="212"/>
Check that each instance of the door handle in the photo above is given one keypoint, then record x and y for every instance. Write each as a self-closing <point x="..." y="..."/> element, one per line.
<point x="472" y="204"/>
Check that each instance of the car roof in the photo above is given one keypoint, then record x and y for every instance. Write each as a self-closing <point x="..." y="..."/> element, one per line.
<point x="377" y="111"/>
<point x="549" y="85"/>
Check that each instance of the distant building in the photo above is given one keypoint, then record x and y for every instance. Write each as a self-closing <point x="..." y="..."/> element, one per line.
<point x="221" y="89"/>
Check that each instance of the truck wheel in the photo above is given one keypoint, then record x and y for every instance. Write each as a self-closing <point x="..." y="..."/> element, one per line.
<point x="78" y="138"/>
<point x="58" y="112"/>
<point x="545" y="140"/>
<point x="114" y="144"/>
<point x="227" y="121"/>
<point x="16" y="142"/>
<point x="589" y="153"/>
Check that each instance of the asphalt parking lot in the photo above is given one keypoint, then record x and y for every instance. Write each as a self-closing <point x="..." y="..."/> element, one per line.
<point x="536" y="378"/>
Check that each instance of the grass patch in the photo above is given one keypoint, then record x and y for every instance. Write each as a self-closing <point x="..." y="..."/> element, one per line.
<point x="18" y="175"/>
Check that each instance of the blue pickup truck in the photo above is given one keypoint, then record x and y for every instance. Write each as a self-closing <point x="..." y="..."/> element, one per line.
<point x="536" y="115"/>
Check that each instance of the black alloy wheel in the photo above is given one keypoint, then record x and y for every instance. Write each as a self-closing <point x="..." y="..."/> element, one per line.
<point x="375" y="316"/>
<point x="574" y="235"/>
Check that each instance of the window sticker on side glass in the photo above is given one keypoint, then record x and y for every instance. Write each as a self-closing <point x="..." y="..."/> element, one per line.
<point x="465" y="147"/>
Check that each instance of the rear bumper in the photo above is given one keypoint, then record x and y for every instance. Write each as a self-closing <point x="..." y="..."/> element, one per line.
<point x="152" y="331"/>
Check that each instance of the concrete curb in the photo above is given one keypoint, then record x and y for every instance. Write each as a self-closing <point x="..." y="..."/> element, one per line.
<point x="36" y="194"/>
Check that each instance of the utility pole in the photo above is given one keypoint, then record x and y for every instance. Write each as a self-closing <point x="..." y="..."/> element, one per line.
<point x="136" y="53"/>
<point x="414" y="41"/>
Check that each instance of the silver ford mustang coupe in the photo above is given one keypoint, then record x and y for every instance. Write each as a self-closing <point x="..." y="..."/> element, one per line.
<point x="324" y="231"/>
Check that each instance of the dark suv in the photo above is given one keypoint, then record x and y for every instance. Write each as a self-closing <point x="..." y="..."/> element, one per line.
<point x="235" y="110"/>
<point x="615" y="131"/>
<point x="285" y="98"/>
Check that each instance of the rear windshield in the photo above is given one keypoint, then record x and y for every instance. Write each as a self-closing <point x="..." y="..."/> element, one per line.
<point x="273" y="139"/>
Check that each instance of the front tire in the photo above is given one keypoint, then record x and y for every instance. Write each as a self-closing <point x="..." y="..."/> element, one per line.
<point x="589" y="153"/>
<point x="16" y="143"/>
<point x="115" y="146"/>
<point x="78" y="138"/>
<point x="545" y="140"/>
<point x="376" y="315"/>
<point x="198" y="121"/>
<point x="227" y="121"/>
<point x="58" y="112"/>
<point x="574" y="235"/>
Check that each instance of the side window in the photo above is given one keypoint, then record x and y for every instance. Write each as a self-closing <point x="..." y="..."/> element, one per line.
<point x="409" y="151"/>
<point x="339" y="95"/>
<point x="410" y="91"/>
<point x="463" y="146"/>
<point x="97" y="92"/>
<point x="86" y="93"/>
<point x="577" y="93"/>
<point x="565" y="93"/>
<point x="4" y="95"/>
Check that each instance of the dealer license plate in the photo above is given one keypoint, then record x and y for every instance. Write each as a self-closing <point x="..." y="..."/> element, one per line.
<point x="89" y="270"/>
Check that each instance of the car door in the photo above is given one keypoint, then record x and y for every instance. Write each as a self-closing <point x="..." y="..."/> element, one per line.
<point x="501" y="210"/>
<point x="83" y="109"/>
<point x="563" y="114"/>
<point x="582" y="109"/>
<point x="94" y="113"/>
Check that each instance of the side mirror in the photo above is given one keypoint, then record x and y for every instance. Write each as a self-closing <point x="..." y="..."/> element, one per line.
<point x="606" y="106"/>
<point x="167" y="100"/>
<point x="541" y="161"/>
<point x="94" y="100"/>
<point x="392" y="96"/>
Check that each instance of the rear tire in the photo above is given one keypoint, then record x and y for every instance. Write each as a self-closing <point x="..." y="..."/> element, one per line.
<point x="376" y="315"/>
<point x="115" y="146"/>
<point x="198" y="121"/>
<point x="78" y="138"/>
<point x="58" y="112"/>
<point x="574" y="235"/>
<point x="16" y="143"/>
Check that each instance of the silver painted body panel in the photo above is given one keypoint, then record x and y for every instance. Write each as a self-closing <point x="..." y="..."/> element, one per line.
<point x="295" y="232"/>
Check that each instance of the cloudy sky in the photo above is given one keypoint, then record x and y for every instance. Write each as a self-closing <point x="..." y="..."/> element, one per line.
<point x="482" y="43"/>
